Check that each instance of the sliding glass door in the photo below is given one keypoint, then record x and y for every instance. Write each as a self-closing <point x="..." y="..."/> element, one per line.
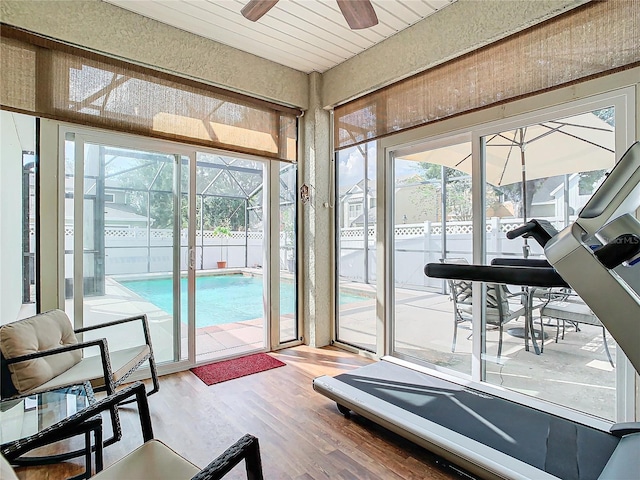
<point x="287" y="253"/>
<point x="454" y="197"/>
<point x="18" y="216"/>
<point x="432" y="217"/>
<point x="179" y="234"/>
<point x="356" y="254"/>
<point x="122" y="238"/>
<point x="230" y="316"/>
<point x="547" y="170"/>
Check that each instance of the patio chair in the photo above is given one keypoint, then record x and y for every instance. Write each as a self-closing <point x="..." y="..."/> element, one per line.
<point x="154" y="459"/>
<point x="498" y="309"/>
<point x="567" y="307"/>
<point x="43" y="353"/>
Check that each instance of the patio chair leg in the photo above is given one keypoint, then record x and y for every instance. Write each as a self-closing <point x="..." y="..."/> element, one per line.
<point x="154" y="376"/>
<point x="455" y="335"/>
<point x="116" y="427"/>
<point x="500" y="342"/>
<point x="606" y="347"/>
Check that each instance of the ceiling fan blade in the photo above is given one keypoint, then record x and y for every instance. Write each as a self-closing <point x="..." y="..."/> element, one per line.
<point x="257" y="8"/>
<point x="358" y="13"/>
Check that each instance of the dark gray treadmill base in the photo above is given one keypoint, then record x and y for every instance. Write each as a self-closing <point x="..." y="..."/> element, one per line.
<point x="455" y="415"/>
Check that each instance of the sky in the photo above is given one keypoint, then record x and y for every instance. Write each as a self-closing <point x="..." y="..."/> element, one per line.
<point x="351" y="166"/>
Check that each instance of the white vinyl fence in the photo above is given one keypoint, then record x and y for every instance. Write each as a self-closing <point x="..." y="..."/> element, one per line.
<point x="422" y="243"/>
<point x="136" y="250"/>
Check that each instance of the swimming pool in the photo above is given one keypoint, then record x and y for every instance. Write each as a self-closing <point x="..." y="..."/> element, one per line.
<point x="220" y="299"/>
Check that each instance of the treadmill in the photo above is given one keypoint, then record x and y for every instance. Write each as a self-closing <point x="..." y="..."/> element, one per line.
<point x="491" y="436"/>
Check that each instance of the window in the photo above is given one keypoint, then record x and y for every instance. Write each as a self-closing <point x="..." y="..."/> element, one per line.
<point x="355" y="210"/>
<point x="355" y="295"/>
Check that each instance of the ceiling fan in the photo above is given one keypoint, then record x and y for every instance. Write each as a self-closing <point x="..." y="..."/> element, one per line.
<point x="358" y="13"/>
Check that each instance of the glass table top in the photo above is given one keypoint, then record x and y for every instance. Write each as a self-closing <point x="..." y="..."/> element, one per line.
<point x="24" y="417"/>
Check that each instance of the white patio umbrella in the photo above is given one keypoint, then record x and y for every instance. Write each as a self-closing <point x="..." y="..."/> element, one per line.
<point x="580" y="143"/>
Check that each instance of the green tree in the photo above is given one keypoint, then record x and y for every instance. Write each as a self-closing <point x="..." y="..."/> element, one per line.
<point x="222" y="211"/>
<point x="459" y="203"/>
<point x="514" y="193"/>
<point x="149" y="185"/>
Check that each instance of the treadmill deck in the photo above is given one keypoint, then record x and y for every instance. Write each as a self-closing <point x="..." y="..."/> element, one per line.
<point x="485" y="434"/>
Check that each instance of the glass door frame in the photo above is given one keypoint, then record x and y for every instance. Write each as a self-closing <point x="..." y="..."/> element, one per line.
<point x="53" y="151"/>
<point x="84" y="135"/>
<point x="623" y="99"/>
<point x="389" y="156"/>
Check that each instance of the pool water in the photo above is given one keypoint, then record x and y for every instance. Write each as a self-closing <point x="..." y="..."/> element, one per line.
<point x="220" y="299"/>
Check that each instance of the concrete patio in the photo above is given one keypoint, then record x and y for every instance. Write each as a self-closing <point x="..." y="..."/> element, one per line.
<point x="574" y="372"/>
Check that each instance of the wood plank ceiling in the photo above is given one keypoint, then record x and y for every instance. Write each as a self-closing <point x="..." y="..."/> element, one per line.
<point x="306" y="35"/>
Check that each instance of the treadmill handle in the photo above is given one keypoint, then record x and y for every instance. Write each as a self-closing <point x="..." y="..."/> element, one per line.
<point x="526" y="276"/>
<point x="541" y="230"/>
<point x="519" y="231"/>
<point x="521" y="262"/>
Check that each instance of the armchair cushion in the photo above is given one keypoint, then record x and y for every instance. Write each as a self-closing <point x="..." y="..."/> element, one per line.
<point x="91" y="369"/>
<point x="154" y="460"/>
<point x="6" y="471"/>
<point x="44" y="331"/>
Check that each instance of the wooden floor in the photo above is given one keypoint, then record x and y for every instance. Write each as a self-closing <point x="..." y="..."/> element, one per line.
<point x="302" y="436"/>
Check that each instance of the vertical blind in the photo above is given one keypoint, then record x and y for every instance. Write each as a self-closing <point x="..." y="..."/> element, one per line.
<point x="54" y="80"/>
<point x="591" y="40"/>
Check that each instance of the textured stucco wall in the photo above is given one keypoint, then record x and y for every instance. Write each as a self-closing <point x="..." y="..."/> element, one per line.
<point x="457" y="29"/>
<point x="317" y="233"/>
<point x="115" y="31"/>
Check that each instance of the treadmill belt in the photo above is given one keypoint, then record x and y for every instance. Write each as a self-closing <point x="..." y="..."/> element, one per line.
<point x="550" y="443"/>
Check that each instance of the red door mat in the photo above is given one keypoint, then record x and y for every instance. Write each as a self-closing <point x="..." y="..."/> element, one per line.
<point x="235" y="368"/>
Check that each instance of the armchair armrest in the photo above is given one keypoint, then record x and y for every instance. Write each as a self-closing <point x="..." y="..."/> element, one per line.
<point x="141" y="317"/>
<point x="246" y="448"/>
<point x="100" y="342"/>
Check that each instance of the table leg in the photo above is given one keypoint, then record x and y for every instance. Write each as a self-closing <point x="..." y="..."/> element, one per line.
<point x="87" y="453"/>
<point x="529" y="321"/>
<point x="99" y="449"/>
<point x="526" y="326"/>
